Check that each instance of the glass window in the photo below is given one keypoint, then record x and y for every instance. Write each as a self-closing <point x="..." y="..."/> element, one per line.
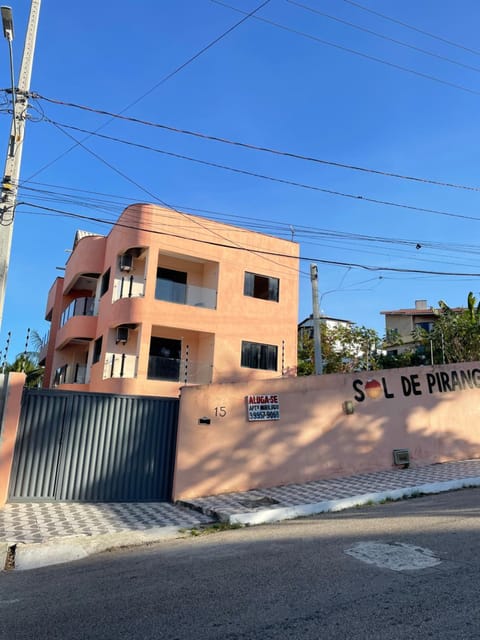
<point x="171" y="285"/>
<point x="263" y="287"/>
<point x="97" y="350"/>
<point x="259" y="356"/>
<point x="105" y="282"/>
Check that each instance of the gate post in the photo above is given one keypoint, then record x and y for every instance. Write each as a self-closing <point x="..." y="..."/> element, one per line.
<point x="9" y="429"/>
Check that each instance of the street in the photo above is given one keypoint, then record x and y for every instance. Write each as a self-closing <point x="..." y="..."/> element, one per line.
<point x="293" y="579"/>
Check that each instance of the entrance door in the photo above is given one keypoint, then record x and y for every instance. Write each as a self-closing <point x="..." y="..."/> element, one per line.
<point x="164" y="359"/>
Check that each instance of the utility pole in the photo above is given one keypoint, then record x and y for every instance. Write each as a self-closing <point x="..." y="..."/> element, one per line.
<point x="317" y="333"/>
<point x="11" y="176"/>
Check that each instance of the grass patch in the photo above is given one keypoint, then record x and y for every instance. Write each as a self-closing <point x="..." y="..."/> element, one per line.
<point x="217" y="527"/>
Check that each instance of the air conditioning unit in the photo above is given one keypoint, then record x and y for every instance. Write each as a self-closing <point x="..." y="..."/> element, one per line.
<point x="122" y="335"/>
<point x="126" y="262"/>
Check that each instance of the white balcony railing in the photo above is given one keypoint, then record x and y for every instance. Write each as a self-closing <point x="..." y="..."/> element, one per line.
<point x="128" y="287"/>
<point x="120" y="365"/>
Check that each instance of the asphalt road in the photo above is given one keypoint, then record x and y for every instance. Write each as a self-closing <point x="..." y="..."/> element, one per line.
<point x="289" y="580"/>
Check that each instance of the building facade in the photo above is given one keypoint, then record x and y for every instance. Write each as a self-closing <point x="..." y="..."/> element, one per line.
<point x="168" y="299"/>
<point x="401" y="323"/>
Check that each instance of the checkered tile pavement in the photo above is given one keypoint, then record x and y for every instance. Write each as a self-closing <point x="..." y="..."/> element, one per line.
<point x="335" y="489"/>
<point x="42" y="521"/>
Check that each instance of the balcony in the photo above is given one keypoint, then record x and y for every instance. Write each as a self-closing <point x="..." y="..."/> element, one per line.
<point x="78" y="307"/>
<point x="179" y="370"/>
<point x="186" y="294"/>
<point x="71" y="374"/>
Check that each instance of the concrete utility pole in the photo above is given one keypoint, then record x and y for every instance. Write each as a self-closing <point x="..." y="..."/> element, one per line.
<point x="8" y="197"/>
<point x="317" y="334"/>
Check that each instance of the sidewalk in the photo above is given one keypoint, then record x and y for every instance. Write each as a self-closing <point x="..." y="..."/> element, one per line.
<point x="42" y="533"/>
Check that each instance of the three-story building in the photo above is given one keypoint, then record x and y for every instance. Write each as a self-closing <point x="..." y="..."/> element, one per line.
<point x="168" y="299"/>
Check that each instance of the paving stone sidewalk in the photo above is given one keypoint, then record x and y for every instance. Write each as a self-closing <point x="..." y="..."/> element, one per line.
<point x="43" y="521"/>
<point x="36" y="529"/>
<point x="293" y="500"/>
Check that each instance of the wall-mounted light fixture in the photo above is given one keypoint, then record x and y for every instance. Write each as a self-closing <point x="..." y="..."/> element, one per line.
<point x="348" y="407"/>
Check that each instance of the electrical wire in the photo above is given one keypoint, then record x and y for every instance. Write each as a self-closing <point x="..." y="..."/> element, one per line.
<point x="272" y="226"/>
<point x="161" y="82"/>
<point x="147" y="191"/>
<point x="238" y="247"/>
<point x="383" y="36"/>
<point x="270" y="178"/>
<point x="253" y="147"/>
<point x="413" y="28"/>
<point x="360" y="54"/>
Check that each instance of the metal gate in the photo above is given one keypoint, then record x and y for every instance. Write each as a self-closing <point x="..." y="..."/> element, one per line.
<point x="94" y="447"/>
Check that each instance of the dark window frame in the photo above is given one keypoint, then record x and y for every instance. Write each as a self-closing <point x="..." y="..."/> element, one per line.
<point x="258" y="355"/>
<point x="105" y="284"/>
<point x="256" y="285"/>
<point x="97" y="350"/>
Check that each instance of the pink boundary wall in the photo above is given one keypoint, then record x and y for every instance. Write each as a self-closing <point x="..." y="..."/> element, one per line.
<point x="432" y="411"/>
<point x="11" y="416"/>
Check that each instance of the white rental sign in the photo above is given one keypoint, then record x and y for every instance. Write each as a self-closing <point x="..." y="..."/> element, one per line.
<point x="263" y="407"/>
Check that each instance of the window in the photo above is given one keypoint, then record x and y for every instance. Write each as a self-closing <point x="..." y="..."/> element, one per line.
<point x="262" y="287"/>
<point x="171" y="285"/>
<point x="97" y="350"/>
<point x="426" y="326"/>
<point x="105" y="282"/>
<point x="259" y="356"/>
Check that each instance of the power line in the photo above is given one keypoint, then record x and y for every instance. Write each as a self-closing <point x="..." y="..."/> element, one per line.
<point x="384" y="37"/>
<point x="253" y="147"/>
<point x="272" y="226"/>
<point x="334" y="45"/>
<point x="238" y="247"/>
<point x="129" y="179"/>
<point x="412" y="28"/>
<point x="292" y="183"/>
<point x="162" y="81"/>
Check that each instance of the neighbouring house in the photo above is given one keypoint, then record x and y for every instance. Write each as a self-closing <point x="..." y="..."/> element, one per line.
<point x="400" y="324"/>
<point x="305" y="327"/>
<point x="168" y="299"/>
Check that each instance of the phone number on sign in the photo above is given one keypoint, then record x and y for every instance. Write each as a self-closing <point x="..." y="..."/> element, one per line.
<point x="264" y="415"/>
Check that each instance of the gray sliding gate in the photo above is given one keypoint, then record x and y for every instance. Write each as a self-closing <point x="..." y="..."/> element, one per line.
<point x="94" y="447"/>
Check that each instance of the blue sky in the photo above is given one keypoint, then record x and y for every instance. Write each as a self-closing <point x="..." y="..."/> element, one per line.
<point x="269" y="87"/>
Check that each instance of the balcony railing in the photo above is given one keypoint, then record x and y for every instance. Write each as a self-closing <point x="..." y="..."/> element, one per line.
<point x="185" y="294"/>
<point x="78" y="307"/>
<point x="128" y="287"/>
<point x="71" y="374"/>
<point x="179" y="370"/>
<point x="120" y="365"/>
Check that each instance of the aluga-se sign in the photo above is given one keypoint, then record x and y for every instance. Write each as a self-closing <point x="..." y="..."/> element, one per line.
<point x="263" y="407"/>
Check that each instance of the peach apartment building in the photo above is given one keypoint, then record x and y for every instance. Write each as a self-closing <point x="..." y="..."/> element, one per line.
<point x="168" y="299"/>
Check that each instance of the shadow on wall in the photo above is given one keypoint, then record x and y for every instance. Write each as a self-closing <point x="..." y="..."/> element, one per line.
<point x="314" y="438"/>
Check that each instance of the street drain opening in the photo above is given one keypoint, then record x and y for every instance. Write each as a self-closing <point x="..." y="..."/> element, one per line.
<point x="256" y="503"/>
<point x="10" y="559"/>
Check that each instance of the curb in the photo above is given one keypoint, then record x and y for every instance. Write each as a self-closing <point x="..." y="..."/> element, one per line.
<point x="33" y="555"/>
<point x="276" y="514"/>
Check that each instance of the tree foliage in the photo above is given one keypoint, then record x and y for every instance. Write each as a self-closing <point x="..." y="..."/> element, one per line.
<point x="345" y="348"/>
<point x="27" y="363"/>
<point x="455" y="336"/>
